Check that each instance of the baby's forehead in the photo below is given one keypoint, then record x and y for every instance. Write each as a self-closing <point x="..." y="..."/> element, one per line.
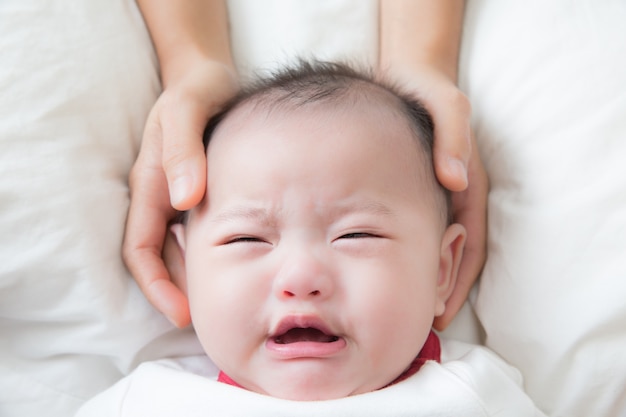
<point x="378" y="113"/>
<point x="354" y="106"/>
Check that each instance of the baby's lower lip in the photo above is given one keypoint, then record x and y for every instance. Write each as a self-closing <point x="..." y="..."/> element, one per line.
<point x="304" y="349"/>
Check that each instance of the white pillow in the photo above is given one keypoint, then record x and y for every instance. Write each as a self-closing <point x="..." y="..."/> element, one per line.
<point x="547" y="81"/>
<point x="77" y="81"/>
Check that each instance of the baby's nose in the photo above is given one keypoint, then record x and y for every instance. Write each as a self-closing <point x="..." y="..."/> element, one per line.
<point x="305" y="277"/>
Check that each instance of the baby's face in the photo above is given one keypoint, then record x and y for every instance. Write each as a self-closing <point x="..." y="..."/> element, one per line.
<point x="313" y="267"/>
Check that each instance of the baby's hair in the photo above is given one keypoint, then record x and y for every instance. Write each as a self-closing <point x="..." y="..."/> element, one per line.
<point x="310" y="82"/>
<point x="320" y="82"/>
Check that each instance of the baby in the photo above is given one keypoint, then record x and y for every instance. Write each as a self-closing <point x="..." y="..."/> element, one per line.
<point x="316" y="263"/>
<point x="323" y="248"/>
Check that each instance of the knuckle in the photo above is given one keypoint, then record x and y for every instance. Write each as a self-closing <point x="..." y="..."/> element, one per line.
<point x="174" y="154"/>
<point x="133" y="177"/>
<point x="128" y="253"/>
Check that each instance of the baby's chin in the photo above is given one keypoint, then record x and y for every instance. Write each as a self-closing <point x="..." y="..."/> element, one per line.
<point x="312" y="380"/>
<point x="327" y="391"/>
<point x="309" y="395"/>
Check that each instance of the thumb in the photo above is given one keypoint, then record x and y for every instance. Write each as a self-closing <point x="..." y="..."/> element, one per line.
<point x="453" y="145"/>
<point x="184" y="160"/>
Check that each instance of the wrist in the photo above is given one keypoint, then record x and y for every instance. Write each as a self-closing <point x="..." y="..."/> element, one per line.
<point x="178" y="68"/>
<point x="204" y="84"/>
<point x="421" y="34"/>
<point x="421" y="64"/>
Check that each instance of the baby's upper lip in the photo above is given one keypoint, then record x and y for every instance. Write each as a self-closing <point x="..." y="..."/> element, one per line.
<point x="302" y="322"/>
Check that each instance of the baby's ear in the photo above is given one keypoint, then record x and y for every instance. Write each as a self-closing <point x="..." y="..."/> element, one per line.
<point x="178" y="230"/>
<point x="452" y="246"/>
<point x="174" y="256"/>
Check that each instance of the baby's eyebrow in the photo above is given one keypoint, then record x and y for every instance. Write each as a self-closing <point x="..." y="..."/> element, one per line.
<point x="257" y="214"/>
<point x="369" y="206"/>
<point x="267" y="217"/>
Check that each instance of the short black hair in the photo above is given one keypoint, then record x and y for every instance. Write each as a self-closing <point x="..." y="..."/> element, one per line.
<point x="309" y="82"/>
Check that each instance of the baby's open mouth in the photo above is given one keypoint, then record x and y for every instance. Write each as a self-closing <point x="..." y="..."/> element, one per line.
<point x="304" y="334"/>
<point x="304" y="337"/>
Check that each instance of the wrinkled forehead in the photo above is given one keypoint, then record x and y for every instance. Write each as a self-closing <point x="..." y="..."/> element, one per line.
<point x="383" y="112"/>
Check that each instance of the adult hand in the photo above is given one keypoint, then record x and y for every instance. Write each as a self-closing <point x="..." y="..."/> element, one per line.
<point x="458" y="167"/>
<point x="170" y="175"/>
<point x="419" y="46"/>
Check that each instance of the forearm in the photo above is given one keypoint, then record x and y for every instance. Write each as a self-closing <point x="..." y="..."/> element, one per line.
<point x="186" y="32"/>
<point x="416" y="33"/>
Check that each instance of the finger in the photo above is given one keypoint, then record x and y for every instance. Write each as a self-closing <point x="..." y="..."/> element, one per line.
<point x="174" y="262"/>
<point x="171" y="301"/>
<point x="452" y="147"/>
<point x="146" y="224"/>
<point x="470" y="209"/>
<point x="183" y="158"/>
<point x="142" y="254"/>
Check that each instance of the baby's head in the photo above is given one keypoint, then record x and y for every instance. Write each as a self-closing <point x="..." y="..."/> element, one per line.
<point x="322" y="250"/>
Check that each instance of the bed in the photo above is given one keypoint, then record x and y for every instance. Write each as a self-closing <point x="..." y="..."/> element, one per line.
<point x="547" y="82"/>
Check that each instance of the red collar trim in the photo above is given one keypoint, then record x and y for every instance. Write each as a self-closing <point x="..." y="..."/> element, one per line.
<point x="222" y="377"/>
<point x="431" y="351"/>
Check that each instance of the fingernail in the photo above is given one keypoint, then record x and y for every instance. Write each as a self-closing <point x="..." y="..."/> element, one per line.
<point x="458" y="169"/>
<point x="180" y="189"/>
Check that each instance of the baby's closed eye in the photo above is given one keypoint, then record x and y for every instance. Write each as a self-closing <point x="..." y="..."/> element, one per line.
<point x="244" y="239"/>
<point x="358" y="235"/>
<point x="361" y="243"/>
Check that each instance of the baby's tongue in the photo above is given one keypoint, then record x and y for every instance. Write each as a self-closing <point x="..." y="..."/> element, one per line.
<point x="308" y="334"/>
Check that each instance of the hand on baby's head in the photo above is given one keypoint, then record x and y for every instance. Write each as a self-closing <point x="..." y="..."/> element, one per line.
<point x="323" y="238"/>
